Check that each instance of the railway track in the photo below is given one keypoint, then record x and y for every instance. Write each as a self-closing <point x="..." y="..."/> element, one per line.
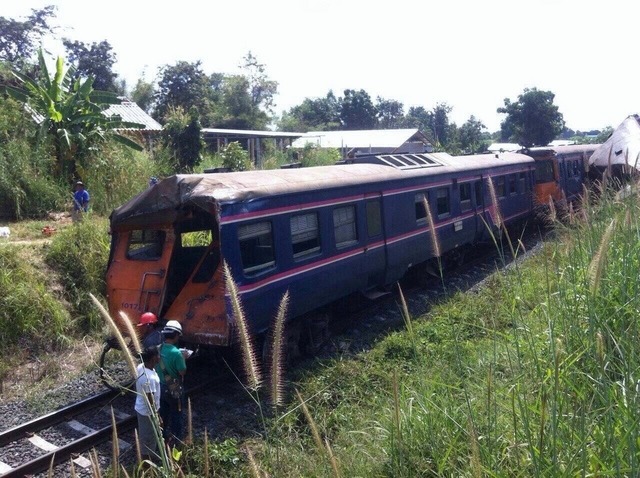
<point x="33" y="434"/>
<point x="89" y="420"/>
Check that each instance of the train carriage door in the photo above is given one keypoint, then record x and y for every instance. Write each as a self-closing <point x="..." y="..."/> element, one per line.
<point x="375" y="244"/>
<point x="478" y="206"/>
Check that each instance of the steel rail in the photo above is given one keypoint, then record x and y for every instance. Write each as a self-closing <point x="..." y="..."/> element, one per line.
<point x="56" y="417"/>
<point x="42" y="463"/>
<point x="64" y="453"/>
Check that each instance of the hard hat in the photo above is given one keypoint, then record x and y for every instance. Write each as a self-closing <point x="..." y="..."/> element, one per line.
<point x="171" y="327"/>
<point x="147" y="318"/>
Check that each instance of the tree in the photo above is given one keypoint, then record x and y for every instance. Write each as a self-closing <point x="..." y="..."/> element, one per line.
<point x="94" y="60"/>
<point x="184" y="85"/>
<point x="261" y="88"/>
<point x="471" y="135"/>
<point x="313" y="114"/>
<point x="532" y="120"/>
<point x="440" y="123"/>
<point x="70" y="113"/>
<point x="142" y="94"/>
<point x="238" y="106"/>
<point x="19" y="40"/>
<point x="390" y="114"/>
<point x="182" y="134"/>
<point x="603" y="135"/>
<point x="420" y="118"/>
<point x="357" y="110"/>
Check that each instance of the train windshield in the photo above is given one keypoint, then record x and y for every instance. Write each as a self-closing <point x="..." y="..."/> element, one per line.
<point x="544" y="171"/>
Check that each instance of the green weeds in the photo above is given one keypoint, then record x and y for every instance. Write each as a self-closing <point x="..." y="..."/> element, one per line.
<point x="79" y="255"/>
<point x="30" y="315"/>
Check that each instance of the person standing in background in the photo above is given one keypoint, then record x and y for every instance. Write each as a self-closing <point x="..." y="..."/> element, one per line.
<point x="80" y="201"/>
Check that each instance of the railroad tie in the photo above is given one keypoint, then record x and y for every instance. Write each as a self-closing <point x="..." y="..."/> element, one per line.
<point x="85" y="430"/>
<point x="43" y="444"/>
<point x="4" y="468"/>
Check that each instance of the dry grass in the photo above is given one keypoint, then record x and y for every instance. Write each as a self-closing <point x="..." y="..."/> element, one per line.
<point x="27" y="375"/>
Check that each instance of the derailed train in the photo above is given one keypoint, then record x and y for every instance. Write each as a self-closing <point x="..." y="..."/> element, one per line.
<point x="321" y="233"/>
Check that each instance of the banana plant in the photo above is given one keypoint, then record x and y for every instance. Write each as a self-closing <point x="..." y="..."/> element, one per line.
<point x="70" y="112"/>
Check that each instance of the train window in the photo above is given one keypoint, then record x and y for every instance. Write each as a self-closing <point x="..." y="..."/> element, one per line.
<point x="196" y="238"/>
<point x="344" y="226"/>
<point x="544" y="171"/>
<point x="304" y="234"/>
<point x="465" y="196"/>
<point x="374" y="218"/>
<point x="421" y="213"/>
<point x="478" y="192"/>
<point x="444" y="206"/>
<point x="576" y="168"/>
<point x="256" y="247"/>
<point x="522" y="179"/>
<point x="145" y="245"/>
<point x="500" y="187"/>
<point x="512" y="184"/>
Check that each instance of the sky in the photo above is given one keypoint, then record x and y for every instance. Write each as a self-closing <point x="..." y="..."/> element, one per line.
<point x="469" y="54"/>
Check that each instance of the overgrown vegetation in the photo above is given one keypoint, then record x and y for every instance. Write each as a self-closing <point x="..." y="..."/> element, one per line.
<point x="79" y="255"/>
<point x="30" y="315"/>
<point x="26" y="187"/>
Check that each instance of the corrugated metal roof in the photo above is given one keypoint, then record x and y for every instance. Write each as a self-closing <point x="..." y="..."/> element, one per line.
<point x="248" y="133"/>
<point x="373" y="138"/>
<point x="131" y="112"/>
<point x="504" y="147"/>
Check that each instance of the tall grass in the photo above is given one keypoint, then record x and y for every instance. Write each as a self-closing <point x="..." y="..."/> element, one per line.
<point x="535" y="374"/>
<point x="79" y="255"/>
<point x="30" y="315"/>
<point x="115" y="174"/>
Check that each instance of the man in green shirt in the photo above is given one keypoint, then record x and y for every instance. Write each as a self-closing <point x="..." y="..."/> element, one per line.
<point x="171" y="370"/>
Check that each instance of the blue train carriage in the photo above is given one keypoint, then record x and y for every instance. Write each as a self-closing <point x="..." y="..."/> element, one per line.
<point x="321" y="233"/>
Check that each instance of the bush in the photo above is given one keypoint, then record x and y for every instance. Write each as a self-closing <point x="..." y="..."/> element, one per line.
<point x="30" y="316"/>
<point x="235" y="158"/>
<point x="80" y="254"/>
<point x="312" y="156"/>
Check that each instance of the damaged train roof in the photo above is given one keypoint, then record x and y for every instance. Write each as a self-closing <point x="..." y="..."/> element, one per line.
<point x="162" y="202"/>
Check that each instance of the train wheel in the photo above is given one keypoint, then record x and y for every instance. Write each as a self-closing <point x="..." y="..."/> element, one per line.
<point x="316" y="334"/>
<point x="114" y="372"/>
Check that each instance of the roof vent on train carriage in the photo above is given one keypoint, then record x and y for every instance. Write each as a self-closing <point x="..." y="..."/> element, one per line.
<point x="407" y="161"/>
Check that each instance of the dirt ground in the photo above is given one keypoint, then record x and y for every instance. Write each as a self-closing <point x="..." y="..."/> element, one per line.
<point x="31" y="375"/>
<point x="23" y="374"/>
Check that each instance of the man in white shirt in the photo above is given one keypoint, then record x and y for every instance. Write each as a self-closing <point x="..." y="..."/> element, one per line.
<point x="148" y="393"/>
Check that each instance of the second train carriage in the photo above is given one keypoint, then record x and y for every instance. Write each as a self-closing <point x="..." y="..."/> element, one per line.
<point x="561" y="172"/>
<point x="321" y="233"/>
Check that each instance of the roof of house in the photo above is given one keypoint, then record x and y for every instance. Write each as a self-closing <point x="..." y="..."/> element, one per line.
<point x="369" y="138"/>
<point x="247" y="133"/>
<point x="131" y="112"/>
<point x="561" y="142"/>
<point x="504" y="147"/>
